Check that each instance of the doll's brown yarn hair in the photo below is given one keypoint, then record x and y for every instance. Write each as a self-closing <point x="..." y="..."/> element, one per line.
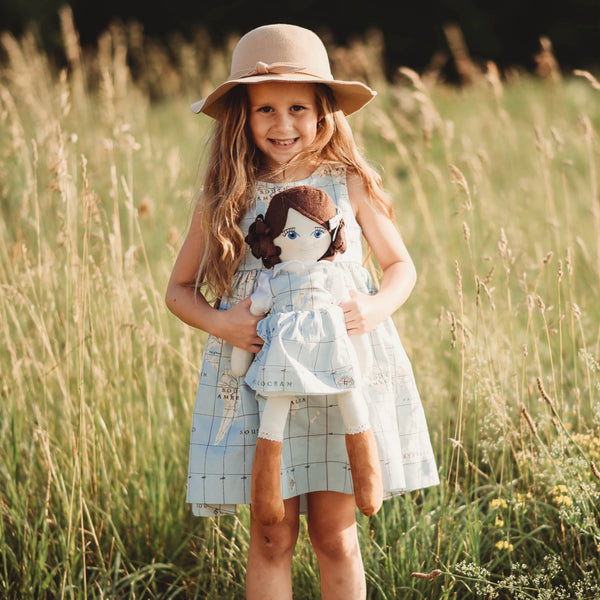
<point x="308" y="201"/>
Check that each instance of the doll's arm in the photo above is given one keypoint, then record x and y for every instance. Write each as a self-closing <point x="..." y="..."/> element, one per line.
<point x="242" y="359"/>
<point x="360" y="342"/>
<point x="261" y="303"/>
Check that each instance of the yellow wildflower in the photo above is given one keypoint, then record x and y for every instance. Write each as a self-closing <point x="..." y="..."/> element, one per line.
<point x="521" y="500"/>
<point x="563" y="500"/>
<point x="499" y="522"/>
<point x="498" y="503"/>
<point x="504" y="545"/>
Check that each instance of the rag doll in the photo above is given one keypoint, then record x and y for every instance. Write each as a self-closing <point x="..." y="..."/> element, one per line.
<point x="306" y="348"/>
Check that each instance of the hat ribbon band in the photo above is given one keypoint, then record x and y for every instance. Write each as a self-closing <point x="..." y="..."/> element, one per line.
<point x="262" y="68"/>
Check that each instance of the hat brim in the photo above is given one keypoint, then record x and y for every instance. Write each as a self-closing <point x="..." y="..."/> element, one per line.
<point x="349" y="95"/>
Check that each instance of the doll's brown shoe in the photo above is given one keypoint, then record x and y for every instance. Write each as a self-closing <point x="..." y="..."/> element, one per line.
<point x="366" y="471"/>
<point x="267" y="503"/>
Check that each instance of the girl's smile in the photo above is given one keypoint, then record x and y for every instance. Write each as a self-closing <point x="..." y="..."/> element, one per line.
<point x="283" y="120"/>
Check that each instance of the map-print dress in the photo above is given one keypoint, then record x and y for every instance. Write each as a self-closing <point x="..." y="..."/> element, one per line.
<point x="226" y="413"/>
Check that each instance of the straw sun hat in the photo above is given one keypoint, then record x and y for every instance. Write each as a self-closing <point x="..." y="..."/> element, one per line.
<point x="284" y="53"/>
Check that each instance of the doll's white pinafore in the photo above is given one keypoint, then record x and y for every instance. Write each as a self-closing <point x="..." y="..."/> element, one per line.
<point x="306" y="348"/>
<point x="226" y="412"/>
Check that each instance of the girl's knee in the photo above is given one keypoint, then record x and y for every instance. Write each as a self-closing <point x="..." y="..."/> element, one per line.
<point x="334" y="545"/>
<point x="332" y="525"/>
<point x="274" y="543"/>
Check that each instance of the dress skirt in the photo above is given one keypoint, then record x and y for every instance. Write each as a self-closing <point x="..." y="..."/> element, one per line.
<point x="227" y="411"/>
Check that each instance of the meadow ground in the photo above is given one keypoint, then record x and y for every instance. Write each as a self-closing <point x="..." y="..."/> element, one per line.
<point x="496" y="191"/>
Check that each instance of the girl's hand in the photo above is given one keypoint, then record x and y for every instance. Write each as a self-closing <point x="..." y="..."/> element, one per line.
<point x="360" y="313"/>
<point x="238" y="326"/>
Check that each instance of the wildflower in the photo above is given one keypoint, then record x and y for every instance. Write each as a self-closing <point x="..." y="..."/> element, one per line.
<point x="499" y="522"/>
<point x="504" y="545"/>
<point x="520" y="504"/>
<point x="560" y="490"/>
<point x="498" y="503"/>
<point x="563" y="500"/>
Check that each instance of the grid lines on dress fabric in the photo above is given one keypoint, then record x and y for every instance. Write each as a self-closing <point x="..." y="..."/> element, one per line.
<point x="221" y="459"/>
<point x="317" y="464"/>
<point x="306" y="346"/>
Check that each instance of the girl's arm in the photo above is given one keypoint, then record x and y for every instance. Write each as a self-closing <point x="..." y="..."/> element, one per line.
<point x="363" y="312"/>
<point x="236" y="326"/>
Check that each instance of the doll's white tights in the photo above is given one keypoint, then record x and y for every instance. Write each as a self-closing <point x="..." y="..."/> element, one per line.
<point x="353" y="408"/>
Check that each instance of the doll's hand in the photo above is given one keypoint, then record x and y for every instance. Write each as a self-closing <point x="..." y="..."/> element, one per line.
<point x="360" y="313"/>
<point x="238" y="327"/>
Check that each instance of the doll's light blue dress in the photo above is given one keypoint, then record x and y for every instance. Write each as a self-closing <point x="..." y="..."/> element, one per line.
<point x="306" y="348"/>
<point x="226" y="413"/>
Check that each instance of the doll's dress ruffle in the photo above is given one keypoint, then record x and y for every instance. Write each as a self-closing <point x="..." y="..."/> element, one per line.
<point x="306" y="346"/>
<point x="226" y="413"/>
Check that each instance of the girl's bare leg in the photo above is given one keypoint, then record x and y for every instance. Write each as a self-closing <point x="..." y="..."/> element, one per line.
<point x="332" y="529"/>
<point x="268" y="572"/>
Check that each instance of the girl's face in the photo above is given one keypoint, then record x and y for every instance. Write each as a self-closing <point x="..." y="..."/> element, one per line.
<point x="302" y="239"/>
<point x="283" y="119"/>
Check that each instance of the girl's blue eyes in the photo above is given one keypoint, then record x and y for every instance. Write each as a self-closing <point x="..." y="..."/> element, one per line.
<point x="290" y="234"/>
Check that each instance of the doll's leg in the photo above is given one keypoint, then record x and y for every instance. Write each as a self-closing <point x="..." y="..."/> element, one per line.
<point x="362" y="347"/>
<point x="362" y="452"/>
<point x="240" y="361"/>
<point x="267" y="503"/>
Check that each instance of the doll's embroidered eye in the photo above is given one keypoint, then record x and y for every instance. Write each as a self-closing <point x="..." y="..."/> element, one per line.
<point x="318" y="233"/>
<point x="290" y="234"/>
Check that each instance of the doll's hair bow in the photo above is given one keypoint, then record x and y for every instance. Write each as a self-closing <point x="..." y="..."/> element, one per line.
<point x="334" y="224"/>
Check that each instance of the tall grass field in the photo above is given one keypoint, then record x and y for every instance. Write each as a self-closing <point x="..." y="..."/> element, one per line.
<point x="496" y="189"/>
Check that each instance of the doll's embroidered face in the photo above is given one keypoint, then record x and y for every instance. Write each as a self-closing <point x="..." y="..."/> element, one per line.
<point x="302" y="239"/>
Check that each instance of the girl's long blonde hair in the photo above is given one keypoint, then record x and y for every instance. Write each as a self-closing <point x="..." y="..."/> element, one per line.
<point x="231" y="172"/>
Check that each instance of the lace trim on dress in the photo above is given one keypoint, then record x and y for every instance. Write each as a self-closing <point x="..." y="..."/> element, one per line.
<point x="273" y="437"/>
<point x="358" y="429"/>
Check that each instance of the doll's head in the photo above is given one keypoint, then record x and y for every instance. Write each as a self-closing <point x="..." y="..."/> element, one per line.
<point x="301" y="223"/>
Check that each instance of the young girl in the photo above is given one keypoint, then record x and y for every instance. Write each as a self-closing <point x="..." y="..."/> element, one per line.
<point x="279" y="123"/>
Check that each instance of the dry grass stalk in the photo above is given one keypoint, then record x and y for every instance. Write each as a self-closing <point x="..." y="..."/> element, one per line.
<point x="489" y="276"/>
<point x="459" y="287"/>
<point x="525" y="414"/>
<point x="429" y="576"/>
<point x="587" y="75"/>
<point x="543" y="392"/>
<point x="559" y="273"/>
<point x="547" y="65"/>
<point x="594" y="470"/>
<point x="459" y="179"/>
<point x="73" y="53"/>
<point x="465" y="67"/>
<point x="492" y="76"/>
<point x="466" y="232"/>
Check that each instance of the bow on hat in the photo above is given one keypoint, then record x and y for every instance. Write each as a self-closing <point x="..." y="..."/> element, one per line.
<point x="277" y="68"/>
